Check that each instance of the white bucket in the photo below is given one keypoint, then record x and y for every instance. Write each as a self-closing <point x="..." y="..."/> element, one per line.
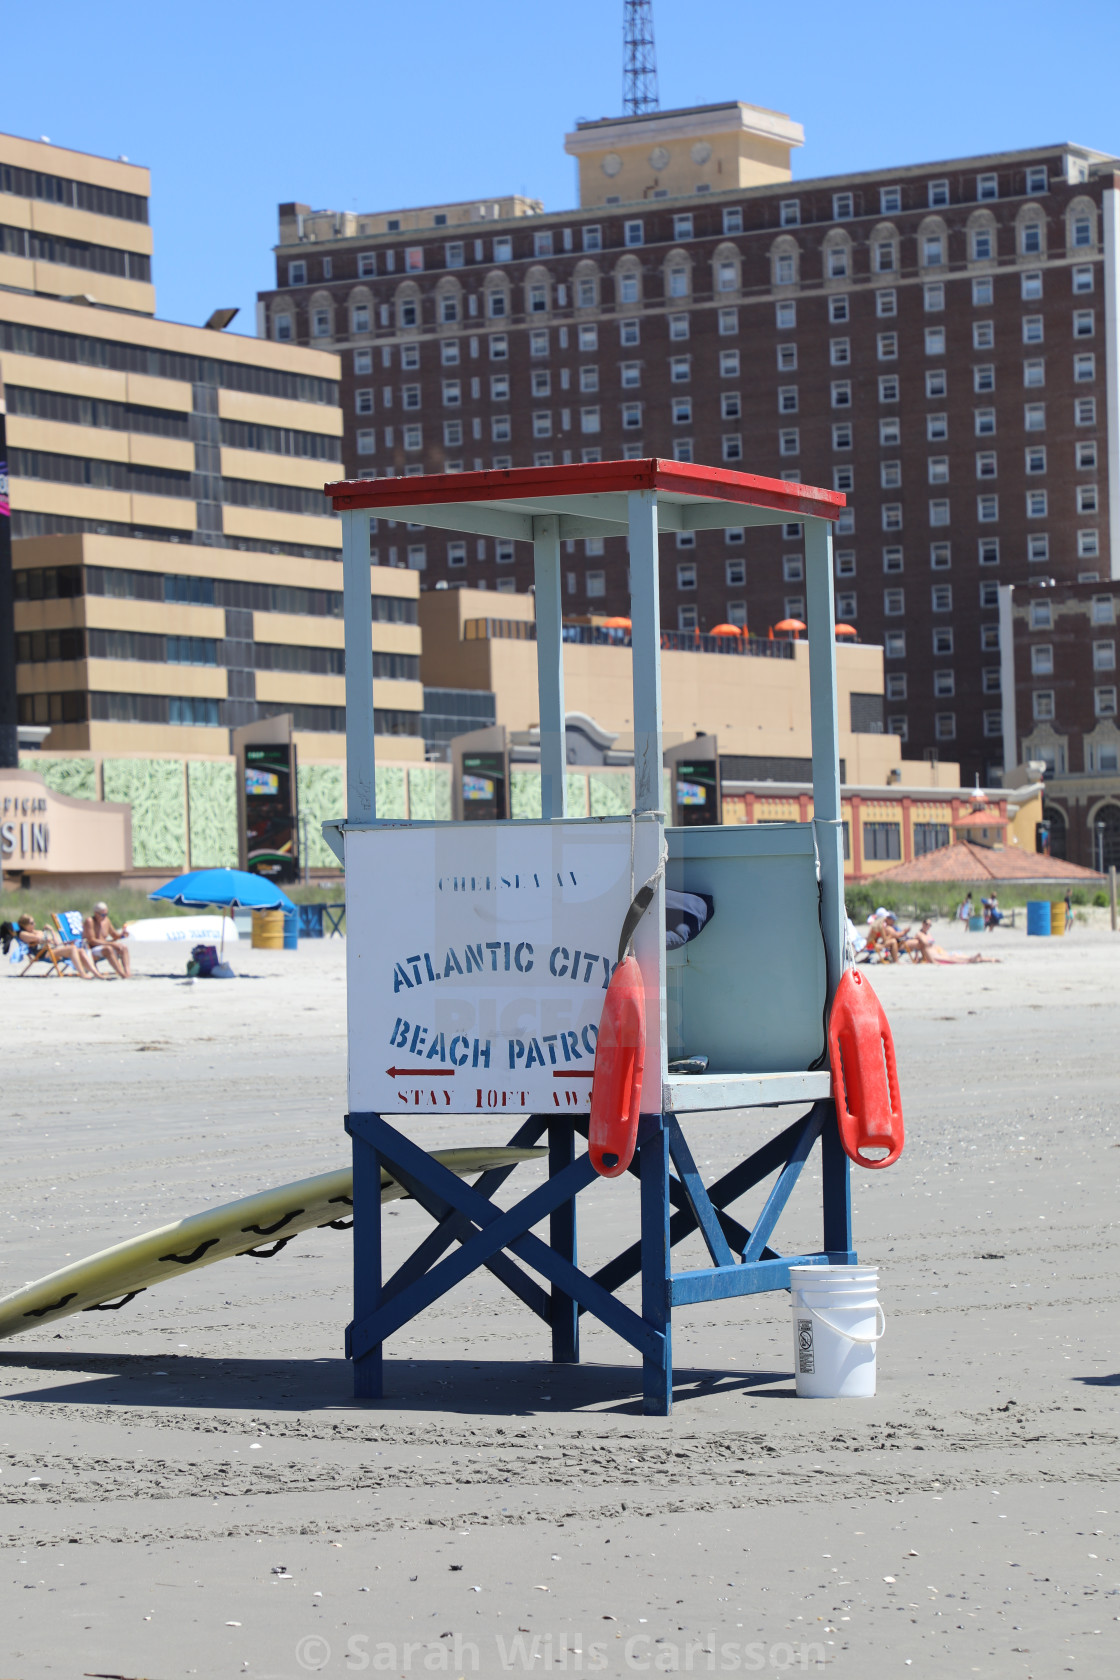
<point x="837" y="1324"/>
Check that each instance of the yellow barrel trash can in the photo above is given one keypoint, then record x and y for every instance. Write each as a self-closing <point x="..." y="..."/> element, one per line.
<point x="268" y="930"/>
<point x="1057" y="915"/>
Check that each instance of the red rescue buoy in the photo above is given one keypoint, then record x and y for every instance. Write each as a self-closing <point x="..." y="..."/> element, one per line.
<point x="620" y="1059"/>
<point x="864" y="1074"/>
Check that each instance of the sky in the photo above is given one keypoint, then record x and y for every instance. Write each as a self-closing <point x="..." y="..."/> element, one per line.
<point x="237" y="107"/>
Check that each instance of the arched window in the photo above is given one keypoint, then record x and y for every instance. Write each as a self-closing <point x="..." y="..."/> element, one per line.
<point x="727" y="275"/>
<point x="496" y="292"/>
<point x="360" y="308"/>
<point x="283" y="324"/>
<point x="585" y="285"/>
<point x="538" y="291"/>
<point x="785" y="261"/>
<point x="321" y="315"/>
<point x="449" y="302"/>
<point x="933" y="243"/>
<point x="1030" y="232"/>
<point x="1104" y="836"/>
<point x="677" y="275"/>
<point x="1081" y="225"/>
<point x="627" y="283"/>
<point x="1059" y="830"/>
<point x="884" y="249"/>
<point x="406" y="300"/>
<point x="981" y="233"/>
<point x="837" y="255"/>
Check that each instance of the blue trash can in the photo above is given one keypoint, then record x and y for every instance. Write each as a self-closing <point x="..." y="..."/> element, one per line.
<point x="310" y="921"/>
<point x="1038" y="916"/>
<point x="291" y="928"/>
<point x="976" y="924"/>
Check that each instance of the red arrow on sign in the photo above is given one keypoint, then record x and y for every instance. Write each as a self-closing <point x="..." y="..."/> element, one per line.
<point x="427" y="1073"/>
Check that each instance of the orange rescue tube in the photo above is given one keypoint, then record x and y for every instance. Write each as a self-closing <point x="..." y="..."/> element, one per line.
<point x="864" y="1074"/>
<point x="620" y="1059"/>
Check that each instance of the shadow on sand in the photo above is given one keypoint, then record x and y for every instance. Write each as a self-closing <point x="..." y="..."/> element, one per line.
<point x="487" y="1388"/>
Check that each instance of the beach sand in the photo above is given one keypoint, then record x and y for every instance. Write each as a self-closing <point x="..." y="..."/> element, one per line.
<point x="188" y="1488"/>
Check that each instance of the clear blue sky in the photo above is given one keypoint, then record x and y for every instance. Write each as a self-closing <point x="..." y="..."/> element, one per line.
<point x="240" y="105"/>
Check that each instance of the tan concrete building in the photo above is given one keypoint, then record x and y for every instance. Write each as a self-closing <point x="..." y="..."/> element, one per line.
<point x="756" y="701"/>
<point x="175" y="560"/>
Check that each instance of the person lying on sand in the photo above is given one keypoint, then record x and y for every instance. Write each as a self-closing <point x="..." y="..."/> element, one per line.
<point x="101" y="935"/>
<point x="38" y="939"/>
<point x="924" y="948"/>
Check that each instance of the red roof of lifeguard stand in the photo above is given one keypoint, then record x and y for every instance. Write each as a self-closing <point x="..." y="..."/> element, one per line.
<point x="544" y="490"/>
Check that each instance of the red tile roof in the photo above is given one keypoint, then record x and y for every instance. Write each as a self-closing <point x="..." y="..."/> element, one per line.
<point x="965" y="862"/>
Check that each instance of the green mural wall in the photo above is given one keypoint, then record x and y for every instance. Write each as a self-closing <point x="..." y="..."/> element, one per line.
<point x="322" y="795"/>
<point x="155" y="789"/>
<point x="212" y="793"/>
<point x="429" y="792"/>
<point x="74" y="776"/>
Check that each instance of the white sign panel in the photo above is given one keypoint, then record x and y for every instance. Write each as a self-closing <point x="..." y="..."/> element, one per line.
<point x="478" y="959"/>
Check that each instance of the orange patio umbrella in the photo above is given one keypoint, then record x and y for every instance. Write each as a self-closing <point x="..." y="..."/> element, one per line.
<point x="616" y="624"/>
<point x="793" y="625"/>
<point x="846" y="630"/>
<point x="725" y="630"/>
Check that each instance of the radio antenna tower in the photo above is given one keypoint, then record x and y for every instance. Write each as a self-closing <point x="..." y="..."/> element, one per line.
<point x="639" y="73"/>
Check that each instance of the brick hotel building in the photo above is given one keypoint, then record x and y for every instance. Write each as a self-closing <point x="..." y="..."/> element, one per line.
<point x="938" y="341"/>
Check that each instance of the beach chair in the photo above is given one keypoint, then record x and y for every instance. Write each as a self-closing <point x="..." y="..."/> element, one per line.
<point x="21" y="953"/>
<point x="71" y="925"/>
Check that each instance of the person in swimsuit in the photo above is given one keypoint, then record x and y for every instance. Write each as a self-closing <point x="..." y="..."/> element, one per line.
<point x="39" y="939"/>
<point x="101" y="935"/>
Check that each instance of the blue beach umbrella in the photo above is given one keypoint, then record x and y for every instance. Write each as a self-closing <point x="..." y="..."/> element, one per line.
<point x="232" y="888"/>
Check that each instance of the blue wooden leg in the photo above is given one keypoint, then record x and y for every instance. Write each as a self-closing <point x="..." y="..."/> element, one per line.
<point x="657" y="1373"/>
<point x="837" y="1193"/>
<point x="368" y="1369"/>
<point x="562" y="1239"/>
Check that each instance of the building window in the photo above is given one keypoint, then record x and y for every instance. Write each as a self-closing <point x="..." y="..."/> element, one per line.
<point x="678" y="326"/>
<point x="785" y="270"/>
<point x="937" y="382"/>
<point x="1036" y="504"/>
<point x="453" y="433"/>
<point x="890" y="433"/>
<point x="787" y="399"/>
<point x="1085" y="411"/>
<point x="986" y="463"/>
<point x="1084" y="366"/>
<point x="682" y="449"/>
<point x="542" y="423"/>
<point x="892" y="516"/>
<point x="681" y="408"/>
<point x="988" y="550"/>
<point x="789" y="213"/>
<point x="687" y="618"/>
<point x="940" y="556"/>
<point x="989" y="638"/>
<point x="1086" y="498"/>
<point x="1082" y="231"/>
<point x="942" y="643"/>
<point x="1082" y="278"/>
<point x="939" y="512"/>
<point x="894" y="644"/>
<point x="787" y="358"/>
<point x="987" y="508"/>
<point x="1102" y="610"/>
<point x="729" y="364"/>
<point x="887" y="346"/>
<point x="728" y="323"/>
<point x="888" y="387"/>
<point x="732" y="221"/>
<point x="297" y="274"/>
<point x="1042" y="660"/>
<point x="732" y="446"/>
<point x="366" y="442"/>
<point x="840" y="352"/>
<point x="937" y="427"/>
<point x="983" y="245"/>
<point x="629" y="376"/>
<point x="589" y="375"/>
<point x="882" y="841"/>
<point x="680" y="369"/>
<point x="595" y="584"/>
<point x="633" y="233"/>
<point x="589" y="417"/>
<point x="842" y="435"/>
<point x="1034" y="417"/>
<point x="1104" y="656"/>
<point x="841" y="393"/>
<point x="944" y="685"/>
<point x="983" y="335"/>
<point x="631" y="416"/>
<point x="1088" y="545"/>
<point x="945" y="726"/>
<point x="935" y="341"/>
<point x="1035" y="456"/>
<point x="496" y="305"/>
<point x="933" y="251"/>
<point x="894" y="602"/>
<point x="937" y="469"/>
<point x="730" y="405"/>
<point x="941" y="597"/>
<point x="686" y="574"/>
<point x="500" y="431"/>
<point x="735" y="572"/>
<point x="892" y="560"/>
<point x="886" y="302"/>
<point x="593" y="239"/>
<point x="1038" y="546"/>
<point x="1084" y="323"/>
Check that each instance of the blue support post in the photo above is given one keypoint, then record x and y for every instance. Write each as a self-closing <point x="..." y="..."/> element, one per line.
<point x="657" y="1367"/>
<point x="368" y="1366"/>
<point x="562" y="1238"/>
<point x="836" y="1193"/>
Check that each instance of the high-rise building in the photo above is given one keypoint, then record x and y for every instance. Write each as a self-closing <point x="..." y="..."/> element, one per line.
<point x="939" y="341"/>
<point x="175" y="560"/>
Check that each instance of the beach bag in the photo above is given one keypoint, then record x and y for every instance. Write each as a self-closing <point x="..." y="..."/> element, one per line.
<point x="204" y="960"/>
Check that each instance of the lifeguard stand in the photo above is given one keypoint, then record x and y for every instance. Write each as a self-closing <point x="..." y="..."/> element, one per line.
<point x="443" y="1021"/>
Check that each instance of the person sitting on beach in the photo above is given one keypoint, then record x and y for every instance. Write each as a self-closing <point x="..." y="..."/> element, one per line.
<point x="102" y="937"/>
<point x="40" y="939"/>
<point x="993" y="915"/>
<point x="881" y="937"/>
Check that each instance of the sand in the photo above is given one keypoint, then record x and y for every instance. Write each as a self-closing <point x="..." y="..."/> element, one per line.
<point x="187" y="1487"/>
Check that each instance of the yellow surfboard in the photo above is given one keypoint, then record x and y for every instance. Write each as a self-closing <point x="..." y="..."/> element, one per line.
<point x="255" y="1225"/>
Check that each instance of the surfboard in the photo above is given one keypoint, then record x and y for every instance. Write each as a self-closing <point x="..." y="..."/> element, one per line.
<point x="257" y="1226"/>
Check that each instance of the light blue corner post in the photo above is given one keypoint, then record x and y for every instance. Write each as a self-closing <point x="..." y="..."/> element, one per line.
<point x="829" y="832"/>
